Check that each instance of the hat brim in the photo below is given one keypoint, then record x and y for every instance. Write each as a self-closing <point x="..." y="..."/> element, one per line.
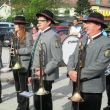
<point x="20" y="22"/>
<point x="41" y="14"/>
<point x="103" y="25"/>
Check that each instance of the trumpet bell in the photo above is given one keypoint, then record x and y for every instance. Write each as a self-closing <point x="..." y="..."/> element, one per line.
<point x="76" y="98"/>
<point x="41" y="91"/>
<point x="17" y="66"/>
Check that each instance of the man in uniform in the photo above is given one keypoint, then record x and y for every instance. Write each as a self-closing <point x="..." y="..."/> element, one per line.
<point x="95" y="60"/>
<point x="1" y="65"/>
<point x="0" y="91"/>
<point x="52" y="55"/>
<point x="107" y="73"/>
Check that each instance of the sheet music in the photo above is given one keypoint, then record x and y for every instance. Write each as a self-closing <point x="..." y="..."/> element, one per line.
<point x="5" y="69"/>
<point x="26" y="94"/>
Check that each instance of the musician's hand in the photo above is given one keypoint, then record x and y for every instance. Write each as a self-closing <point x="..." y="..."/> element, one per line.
<point x="12" y="51"/>
<point x="38" y="72"/>
<point x="73" y="75"/>
<point x="30" y="80"/>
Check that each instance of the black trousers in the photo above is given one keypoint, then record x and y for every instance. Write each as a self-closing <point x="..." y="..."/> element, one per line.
<point x="108" y="88"/>
<point x="92" y="101"/>
<point x="0" y="88"/>
<point x="46" y="99"/>
<point x="21" y="84"/>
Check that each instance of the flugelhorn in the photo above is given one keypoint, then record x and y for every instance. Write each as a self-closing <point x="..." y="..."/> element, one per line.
<point x="76" y="94"/>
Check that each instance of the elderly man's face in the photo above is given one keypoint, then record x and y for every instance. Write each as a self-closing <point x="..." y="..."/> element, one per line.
<point x="92" y="28"/>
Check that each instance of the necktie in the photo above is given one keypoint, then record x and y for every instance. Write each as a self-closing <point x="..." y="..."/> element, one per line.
<point x="34" y="48"/>
<point x="85" y="47"/>
<point x="87" y="43"/>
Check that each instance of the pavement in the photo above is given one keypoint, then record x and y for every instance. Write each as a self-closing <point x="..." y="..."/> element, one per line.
<point x="60" y="92"/>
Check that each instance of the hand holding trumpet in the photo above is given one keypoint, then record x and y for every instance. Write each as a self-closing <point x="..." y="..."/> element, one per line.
<point x="13" y="52"/>
<point x="73" y="75"/>
<point x="38" y="72"/>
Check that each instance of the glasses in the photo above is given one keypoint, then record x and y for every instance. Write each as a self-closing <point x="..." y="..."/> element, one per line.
<point x="41" y="20"/>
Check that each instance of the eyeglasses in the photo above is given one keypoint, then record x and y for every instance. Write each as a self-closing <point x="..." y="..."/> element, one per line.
<point x="41" y="20"/>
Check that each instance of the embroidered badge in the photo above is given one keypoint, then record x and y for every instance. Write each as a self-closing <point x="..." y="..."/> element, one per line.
<point x="57" y="44"/>
<point x="107" y="53"/>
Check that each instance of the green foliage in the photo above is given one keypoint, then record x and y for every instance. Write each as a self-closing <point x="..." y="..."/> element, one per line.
<point x="10" y="18"/>
<point x="82" y="7"/>
<point x="29" y="8"/>
<point x="108" y="28"/>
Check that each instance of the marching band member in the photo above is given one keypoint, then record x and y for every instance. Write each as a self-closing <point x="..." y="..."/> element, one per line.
<point x="52" y="56"/>
<point x="75" y="29"/>
<point x="1" y="65"/>
<point x="0" y="89"/>
<point x="24" y="50"/>
<point x="95" y="61"/>
<point x="107" y="73"/>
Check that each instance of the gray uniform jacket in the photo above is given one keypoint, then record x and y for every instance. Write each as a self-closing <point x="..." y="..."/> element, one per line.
<point x="24" y="52"/>
<point x="92" y="74"/>
<point x="52" y="54"/>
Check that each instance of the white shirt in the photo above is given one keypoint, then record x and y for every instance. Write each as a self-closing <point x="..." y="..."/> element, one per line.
<point x="90" y="39"/>
<point x="75" y="29"/>
<point x="45" y="29"/>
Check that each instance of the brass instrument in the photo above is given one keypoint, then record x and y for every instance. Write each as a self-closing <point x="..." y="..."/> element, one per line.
<point x="15" y="65"/>
<point x="76" y="94"/>
<point x="41" y="90"/>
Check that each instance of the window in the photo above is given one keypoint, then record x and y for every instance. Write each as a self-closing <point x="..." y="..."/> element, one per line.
<point x="97" y="1"/>
<point x="108" y="1"/>
<point x="67" y="12"/>
<point x="4" y="25"/>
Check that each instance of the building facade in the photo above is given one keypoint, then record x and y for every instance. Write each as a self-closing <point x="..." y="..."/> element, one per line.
<point x="5" y="11"/>
<point x="101" y="6"/>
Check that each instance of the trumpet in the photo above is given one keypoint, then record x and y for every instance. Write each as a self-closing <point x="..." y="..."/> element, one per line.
<point x="76" y="94"/>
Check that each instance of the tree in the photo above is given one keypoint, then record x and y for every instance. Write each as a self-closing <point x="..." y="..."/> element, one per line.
<point x="29" y="8"/>
<point x="82" y="7"/>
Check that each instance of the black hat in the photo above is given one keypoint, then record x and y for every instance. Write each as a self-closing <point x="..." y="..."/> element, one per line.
<point x="96" y="18"/>
<point x="48" y="14"/>
<point x="20" y="20"/>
